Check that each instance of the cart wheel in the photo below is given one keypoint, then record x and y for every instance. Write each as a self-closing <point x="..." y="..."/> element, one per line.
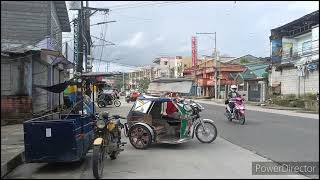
<point x="140" y="137"/>
<point x="101" y="104"/>
<point x="97" y="161"/>
<point x="117" y="103"/>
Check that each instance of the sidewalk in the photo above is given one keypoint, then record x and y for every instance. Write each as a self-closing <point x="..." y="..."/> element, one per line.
<point x="276" y="110"/>
<point x="12" y="147"/>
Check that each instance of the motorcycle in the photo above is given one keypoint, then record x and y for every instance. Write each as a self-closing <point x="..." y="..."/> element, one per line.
<point x="199" y="123"/>
<point x="108" y="99"/>
<point x="238" y="112"/>
<point x="107" y="141"/>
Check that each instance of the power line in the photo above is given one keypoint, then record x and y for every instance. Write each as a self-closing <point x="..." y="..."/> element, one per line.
<point x="102" y="48"/>
<point x="154" y="4"/>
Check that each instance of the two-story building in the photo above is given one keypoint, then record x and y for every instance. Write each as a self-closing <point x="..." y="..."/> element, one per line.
<point x="205" y="77"/>
<point x="168" y="67"/>
<point x="139" y="74"/>
<point x="295" y="56"/>
<point x="31" y="43"/>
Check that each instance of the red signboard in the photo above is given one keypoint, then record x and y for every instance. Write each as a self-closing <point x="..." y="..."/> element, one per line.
<point x="194" y="50"/>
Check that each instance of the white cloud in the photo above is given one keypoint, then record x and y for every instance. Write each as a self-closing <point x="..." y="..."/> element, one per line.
<point x="308" y="6"/>
<point x="184" y="48"/>
<point x="159" y="39"/>
<point x="135" y="41"/>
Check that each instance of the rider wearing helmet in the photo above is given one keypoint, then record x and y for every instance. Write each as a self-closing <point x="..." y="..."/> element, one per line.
<point x="232" y="94"/>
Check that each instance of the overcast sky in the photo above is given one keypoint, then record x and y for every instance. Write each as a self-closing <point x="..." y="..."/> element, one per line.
<point x="153" y="29"/>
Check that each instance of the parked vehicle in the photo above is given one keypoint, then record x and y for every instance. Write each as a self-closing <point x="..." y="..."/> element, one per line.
<point x="165" y="120"/>
<point x="133" y="96"/>
<point x="238" y="112"/>
<point x="107" y="141"/>
<point x="105" y="99"/>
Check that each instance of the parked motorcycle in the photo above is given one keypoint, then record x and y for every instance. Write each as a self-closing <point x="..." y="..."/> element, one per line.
<point x="107" y="141"/>
<point x="238" y="112"/>
<point x="108" y="99"/>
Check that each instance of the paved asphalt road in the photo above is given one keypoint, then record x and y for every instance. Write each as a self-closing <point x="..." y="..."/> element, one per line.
<point x="277" y="137"/>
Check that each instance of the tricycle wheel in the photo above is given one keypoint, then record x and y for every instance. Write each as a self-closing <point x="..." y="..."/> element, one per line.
<point x="140" y="137"/>
<point x="206" y="134"/>
<point x="117" y="103"/>
<point x="97" y="161"/>
<point x="101" y="104"/>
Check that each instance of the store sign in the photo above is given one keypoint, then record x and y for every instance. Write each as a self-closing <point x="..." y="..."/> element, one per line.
<point x="194" y="50"/>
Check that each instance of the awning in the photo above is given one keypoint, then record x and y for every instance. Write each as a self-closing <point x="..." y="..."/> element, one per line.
<point x="167" y="86"/>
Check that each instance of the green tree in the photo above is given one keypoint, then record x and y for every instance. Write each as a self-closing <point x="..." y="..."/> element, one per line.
<point x="244" y="61"/>
<point x="144" y="84"/>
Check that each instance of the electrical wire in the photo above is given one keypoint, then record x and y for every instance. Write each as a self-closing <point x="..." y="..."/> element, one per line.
<point x="154" y="4"/>
<point x="102" y="48"/>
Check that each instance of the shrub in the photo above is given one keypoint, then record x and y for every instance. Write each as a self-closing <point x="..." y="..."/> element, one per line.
<point x="290" y="97"/>
<point x="297" y="103"/>
<point x="310" y="96"/>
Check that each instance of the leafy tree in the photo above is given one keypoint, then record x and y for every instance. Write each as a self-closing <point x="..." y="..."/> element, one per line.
<point x="144" y="84"/>
<point x="244" y="61"/>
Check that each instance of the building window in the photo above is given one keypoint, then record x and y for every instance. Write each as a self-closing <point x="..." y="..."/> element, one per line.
<point x="240" y="88"/>
<point x="306" y="47"/>
<point x="166" y="62"/>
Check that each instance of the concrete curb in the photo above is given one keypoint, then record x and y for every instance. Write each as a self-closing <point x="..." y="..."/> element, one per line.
<point x="12" y="164"/>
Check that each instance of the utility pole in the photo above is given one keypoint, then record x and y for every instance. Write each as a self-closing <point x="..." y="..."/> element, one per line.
<point x="67" y="50"/>
<point x="123" y="81"/>
<point x="215" y="63"/>
<point x="80" y="40"/>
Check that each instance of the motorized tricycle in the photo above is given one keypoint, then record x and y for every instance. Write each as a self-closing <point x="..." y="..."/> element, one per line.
<point x="68" y="135"/>
<point x="166" y="120"/>
<point x="238" y="111"/>
<point x="107" y="141"/>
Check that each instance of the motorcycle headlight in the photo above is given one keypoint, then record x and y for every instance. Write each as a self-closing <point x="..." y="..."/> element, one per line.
<point x="101" y="124"/>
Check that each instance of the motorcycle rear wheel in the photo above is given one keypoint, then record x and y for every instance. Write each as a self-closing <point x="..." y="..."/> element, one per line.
<point x="97" y="161"/>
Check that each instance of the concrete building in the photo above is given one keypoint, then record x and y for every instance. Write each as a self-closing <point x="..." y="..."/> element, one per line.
<point x="205" y="77"/>
<point x="168" y="67"/>
<point x="31" y="41"/>
<point x="295" y="56"/>
<point x="140" y="73"/>
<point x="253" y="82"/>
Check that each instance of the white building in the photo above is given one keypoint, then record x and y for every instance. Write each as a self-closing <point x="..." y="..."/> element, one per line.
<point x="168" y="67"/>
<point x="296" y="47"/>
<point x="140" y="73"/>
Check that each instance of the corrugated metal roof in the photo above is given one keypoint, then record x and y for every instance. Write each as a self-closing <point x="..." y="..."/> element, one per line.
<point x="63" y="16"/>
<point x="166" y="86"/>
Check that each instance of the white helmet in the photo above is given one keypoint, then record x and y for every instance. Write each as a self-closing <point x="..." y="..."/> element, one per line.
<point x="233" y="88"/>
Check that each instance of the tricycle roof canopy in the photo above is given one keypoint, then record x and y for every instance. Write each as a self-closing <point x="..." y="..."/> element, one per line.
<point x="153" y="98"/>
<point x="179" y="85"/>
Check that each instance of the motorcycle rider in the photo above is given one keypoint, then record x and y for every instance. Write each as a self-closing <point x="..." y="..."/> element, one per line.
<point x="232" y="94"/>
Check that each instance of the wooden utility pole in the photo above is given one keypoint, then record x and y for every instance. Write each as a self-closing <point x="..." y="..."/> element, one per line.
<point x="80" y="40"/>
